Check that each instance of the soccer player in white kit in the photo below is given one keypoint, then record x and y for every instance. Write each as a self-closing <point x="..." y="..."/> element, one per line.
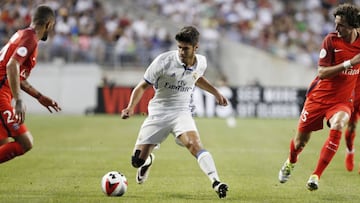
<point x="174" y="75"/>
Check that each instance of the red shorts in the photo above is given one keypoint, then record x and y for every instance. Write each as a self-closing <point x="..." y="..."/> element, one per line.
<point x="313" y="114"/>
<point x="8" y="128"/>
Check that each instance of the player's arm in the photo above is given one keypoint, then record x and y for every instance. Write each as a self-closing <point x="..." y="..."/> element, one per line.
<point x="327" y="72"/>
<point x="44" y="100"/>
<point x="204" y="84"/>
<point x="330" y="71"/>
<point x="13" y="76"/>
<point x="135" y="97"/>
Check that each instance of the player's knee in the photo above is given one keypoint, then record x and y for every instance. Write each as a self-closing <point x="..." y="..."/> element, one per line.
<point x="136" y="161"/>
<point x="338" y="126"/>
<point x="26" y="141"/>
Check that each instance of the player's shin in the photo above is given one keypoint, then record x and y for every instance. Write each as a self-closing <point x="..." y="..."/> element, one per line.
<point x="328" y="151"/>
<point x="207" y="165"/>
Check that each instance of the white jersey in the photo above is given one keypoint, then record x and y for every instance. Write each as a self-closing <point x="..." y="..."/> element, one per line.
<point x="173" y="82"/>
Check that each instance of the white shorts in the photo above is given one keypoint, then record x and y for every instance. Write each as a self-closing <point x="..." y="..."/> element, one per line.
<point x="156" y="128"/>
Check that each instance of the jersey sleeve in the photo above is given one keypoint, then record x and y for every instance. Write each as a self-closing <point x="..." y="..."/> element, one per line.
<point x="202" y="64"/>
<point x="152" y="73"/>
<point x="326" y="56"/>
<point x="26" y="46"/>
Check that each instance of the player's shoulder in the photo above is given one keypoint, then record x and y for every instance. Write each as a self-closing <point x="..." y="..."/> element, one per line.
<point x="166" y="59"/>
<point x="168" y="54"/>
<point x="201" y="59"/>
<point x="27" y="35"/>
<point x="331" y="36"/>
<point x="27" y="32"/>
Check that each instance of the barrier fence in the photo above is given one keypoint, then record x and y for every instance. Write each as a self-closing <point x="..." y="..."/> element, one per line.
<point x="245" y="101"/>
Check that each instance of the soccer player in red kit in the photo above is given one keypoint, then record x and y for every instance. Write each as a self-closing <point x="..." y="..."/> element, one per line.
<point x="17" y="59"/>
<point x="351" y="129"/>
<point x="329" y="95"/>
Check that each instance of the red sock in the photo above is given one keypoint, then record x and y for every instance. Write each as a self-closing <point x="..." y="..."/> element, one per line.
<point x="349" y="137"/>
<point x="9" y="151"/>
<point x="294" y="152"/>
<point x="328" y="151"/>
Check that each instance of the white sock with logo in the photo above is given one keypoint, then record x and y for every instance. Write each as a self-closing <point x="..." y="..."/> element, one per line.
<point x="207" y="165"/>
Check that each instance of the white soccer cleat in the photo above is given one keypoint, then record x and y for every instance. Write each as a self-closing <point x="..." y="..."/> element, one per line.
<point x="220" y="188"/>
<point x="143" y="171"/>
<point x="285" y="171"/>
<point x="313" y="183"/>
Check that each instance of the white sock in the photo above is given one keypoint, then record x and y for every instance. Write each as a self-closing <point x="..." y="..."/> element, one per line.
<point x="350" y="152"/>
<point x="207" y="165"/>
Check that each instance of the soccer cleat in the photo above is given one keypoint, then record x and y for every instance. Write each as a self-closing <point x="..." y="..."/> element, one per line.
<point x="285" y="171"/>
<point x="313" y="183"/>
<point x="143" y="172"/>
<point x="349" y="161"/>
<point x="220" y="188"/>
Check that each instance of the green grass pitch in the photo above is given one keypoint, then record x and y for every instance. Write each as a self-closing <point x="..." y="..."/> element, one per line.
<point x="72" y="153"/>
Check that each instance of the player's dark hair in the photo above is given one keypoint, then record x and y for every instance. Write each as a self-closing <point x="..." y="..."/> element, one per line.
<point x="188" y="34"/>
<point x="350" y="12"/>
<point x="43" y="14"/>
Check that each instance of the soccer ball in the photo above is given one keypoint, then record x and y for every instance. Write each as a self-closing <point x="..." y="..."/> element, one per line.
<point x="114" y="183"/>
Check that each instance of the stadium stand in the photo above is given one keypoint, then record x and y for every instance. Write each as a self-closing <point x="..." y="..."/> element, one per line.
<point x="130" y="33"/>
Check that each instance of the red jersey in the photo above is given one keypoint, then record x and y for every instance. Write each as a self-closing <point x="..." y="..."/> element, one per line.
<point x="338" y="88"/>
<point x="357" y="92"/>
<point x="23" y="47"/>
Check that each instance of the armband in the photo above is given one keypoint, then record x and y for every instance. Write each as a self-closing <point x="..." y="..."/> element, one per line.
<point x="347" y="64"/>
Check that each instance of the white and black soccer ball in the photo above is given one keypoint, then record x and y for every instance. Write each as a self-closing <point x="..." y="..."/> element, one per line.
<point x="114" y="183"/>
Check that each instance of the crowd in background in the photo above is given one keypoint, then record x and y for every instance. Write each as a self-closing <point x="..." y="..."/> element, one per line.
<point x="86" y="32"/>
<point x="292" y="30"/>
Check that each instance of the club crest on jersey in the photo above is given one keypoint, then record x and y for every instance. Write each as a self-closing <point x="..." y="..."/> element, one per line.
<point x="195" y="75"/>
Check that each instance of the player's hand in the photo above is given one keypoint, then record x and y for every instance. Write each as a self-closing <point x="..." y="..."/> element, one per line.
<point x="19" y="115"/>
<point x="47" y="102"/>
<point x="221" y="100"/>
<point x="126" y="113"/>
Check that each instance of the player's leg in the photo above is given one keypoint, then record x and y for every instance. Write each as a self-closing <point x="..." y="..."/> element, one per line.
<point x="11" y="149"/>
<point x="349" y="141"/>
<point x="22" y="139"/>
<point x="337" y="123"/>
<point x="152" y="132"/>
<point x="191" y="141"/>
<point x="297" y="144"/>
<point x="142" y="159"/>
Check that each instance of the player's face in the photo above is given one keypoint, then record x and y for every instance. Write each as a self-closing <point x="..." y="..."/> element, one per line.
<point x="186" y="51"/>
<point x="49" y="27"/>
<point x="342" y="28"/>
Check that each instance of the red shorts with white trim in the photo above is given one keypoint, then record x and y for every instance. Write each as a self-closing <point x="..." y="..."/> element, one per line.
<point x="313" y="114"/>
<point x="9" y="128"/>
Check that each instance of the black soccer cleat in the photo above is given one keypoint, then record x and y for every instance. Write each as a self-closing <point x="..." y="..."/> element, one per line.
<point x="220" y="188"/>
